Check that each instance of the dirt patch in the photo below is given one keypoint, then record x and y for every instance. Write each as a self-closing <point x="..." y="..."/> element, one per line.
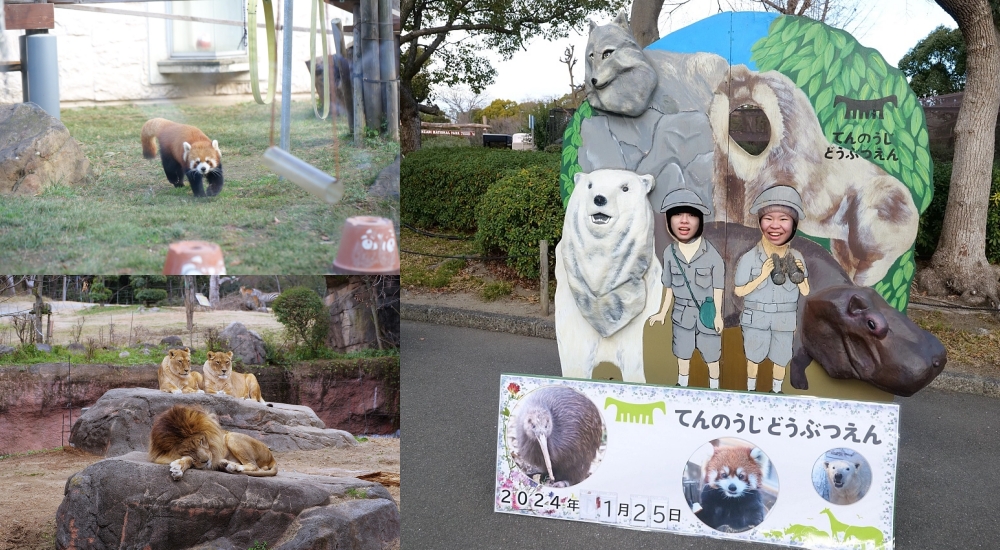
<point x="378" y="454"/>
<point x="521" y="304"/>
<point x="971" y="337"/>
<point x="34" y="483"/>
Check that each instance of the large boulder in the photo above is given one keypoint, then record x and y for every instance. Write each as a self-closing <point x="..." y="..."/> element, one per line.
<point x="120" y="421"/>
<point x="128" y="502"/>
<point x="246" y="345"/>
<point x="37" y="151"/>
<point x="172" y="341"/>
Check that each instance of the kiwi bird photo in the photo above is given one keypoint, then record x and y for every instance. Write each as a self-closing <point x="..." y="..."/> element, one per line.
<point x="558" y="432"/>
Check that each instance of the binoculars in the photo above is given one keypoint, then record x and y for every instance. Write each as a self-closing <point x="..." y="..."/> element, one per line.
<point x="786" y="267"/>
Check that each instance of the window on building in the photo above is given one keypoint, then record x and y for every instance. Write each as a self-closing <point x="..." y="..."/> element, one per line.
<point x="190" y="39"/>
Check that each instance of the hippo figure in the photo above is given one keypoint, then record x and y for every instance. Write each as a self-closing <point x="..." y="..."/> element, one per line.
<point x="849" y="330"/>
<point x="853" y="333"/>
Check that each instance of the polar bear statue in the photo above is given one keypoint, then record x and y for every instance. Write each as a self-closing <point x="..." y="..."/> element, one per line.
<point x="607" y="274"/>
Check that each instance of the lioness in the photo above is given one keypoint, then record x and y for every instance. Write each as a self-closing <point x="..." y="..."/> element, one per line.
<point x="175" y="373"/>
<point x="221" y="379"/>
<point x="189" y="437"/>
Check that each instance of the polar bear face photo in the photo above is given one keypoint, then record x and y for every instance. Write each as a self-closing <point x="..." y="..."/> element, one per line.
<point x="842" y="476"/>
<point x="607" y="202"/>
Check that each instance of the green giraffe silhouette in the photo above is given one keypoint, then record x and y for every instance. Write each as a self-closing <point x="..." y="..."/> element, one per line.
<point x="636" y="413"/>
<point x="863" y="534"/>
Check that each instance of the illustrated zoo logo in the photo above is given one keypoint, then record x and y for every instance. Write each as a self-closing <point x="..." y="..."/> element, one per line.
<point x="864" y="108"/>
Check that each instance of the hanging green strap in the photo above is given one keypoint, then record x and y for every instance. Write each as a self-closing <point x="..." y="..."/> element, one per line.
<point x="319" y="5"/>
<point x="706" y="309"/>
<point x="272" y="50"/>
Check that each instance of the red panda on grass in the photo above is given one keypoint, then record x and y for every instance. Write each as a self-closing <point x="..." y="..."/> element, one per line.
<point x="731" y="500"/>
<point x="184" y="150"/>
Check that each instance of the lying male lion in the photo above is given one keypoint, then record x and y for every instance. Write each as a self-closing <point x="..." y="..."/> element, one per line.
<point x="189" y="437"/>
<point x="221" y="379"/>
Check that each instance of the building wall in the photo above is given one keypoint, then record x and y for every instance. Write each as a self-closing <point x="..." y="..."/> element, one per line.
<point x="107" y="58"/>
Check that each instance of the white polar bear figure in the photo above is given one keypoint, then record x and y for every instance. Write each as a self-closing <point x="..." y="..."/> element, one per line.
<point x="846" y="483"/>
<point x="607" y="274"/>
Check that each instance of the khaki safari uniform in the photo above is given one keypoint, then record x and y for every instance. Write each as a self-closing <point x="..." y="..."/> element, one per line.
<point x="705" y="272"/>
<point x="769" y="312"/>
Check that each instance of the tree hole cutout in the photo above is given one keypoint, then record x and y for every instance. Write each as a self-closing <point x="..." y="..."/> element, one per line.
<point x="750" y="129"/>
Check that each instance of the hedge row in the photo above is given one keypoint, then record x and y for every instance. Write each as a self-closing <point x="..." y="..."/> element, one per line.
<point x="518" y="211"/>
<point x="440" y="188"/>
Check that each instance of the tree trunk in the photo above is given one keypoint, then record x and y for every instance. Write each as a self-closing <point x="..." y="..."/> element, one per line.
<point x="213" y="291"/>
<point x="189" y="301"/>
<point x="959" y="263"/>
<point x="409" y="119"/>
<point x="645" y="14"/>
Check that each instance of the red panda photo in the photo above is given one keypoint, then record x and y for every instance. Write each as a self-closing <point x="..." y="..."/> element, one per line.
<point x="731" y="497"/>
<point x="184" y="150"/>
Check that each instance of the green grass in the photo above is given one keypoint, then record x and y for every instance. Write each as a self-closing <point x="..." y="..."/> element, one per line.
<point x="28" y="355"/>
<point x="29" y="453"/>
<point x="431" y="271"/>
<point x="496" y="290"/>
<point x="355" y="492"/>
<point x="111" y="309"/>
<point x="124" y="219"/>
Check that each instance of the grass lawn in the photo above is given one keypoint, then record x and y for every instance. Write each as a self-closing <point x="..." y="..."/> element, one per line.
<point x="123" y="221"/>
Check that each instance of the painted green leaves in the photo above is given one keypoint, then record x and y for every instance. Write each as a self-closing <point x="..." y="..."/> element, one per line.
<point x="865" y="107"/>
<point x="570" y="152"/>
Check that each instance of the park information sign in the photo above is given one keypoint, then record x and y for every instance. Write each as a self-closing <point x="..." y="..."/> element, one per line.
<point x="798" y="471"/>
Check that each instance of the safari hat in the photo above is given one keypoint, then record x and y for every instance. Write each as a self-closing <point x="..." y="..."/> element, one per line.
<point x="779" y="195"/>
<point x="684" y="197"/>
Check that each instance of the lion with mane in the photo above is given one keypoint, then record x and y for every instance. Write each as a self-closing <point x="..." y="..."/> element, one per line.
<point x="175" y="374"/>
<point x="189" y="437"/>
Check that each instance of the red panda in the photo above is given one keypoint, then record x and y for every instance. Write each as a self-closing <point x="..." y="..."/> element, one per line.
<point x="184" y="150"/>
<point x="730" y="499"/>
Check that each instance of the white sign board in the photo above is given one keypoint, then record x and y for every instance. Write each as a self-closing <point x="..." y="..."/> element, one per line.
<point x="798" y="471"/>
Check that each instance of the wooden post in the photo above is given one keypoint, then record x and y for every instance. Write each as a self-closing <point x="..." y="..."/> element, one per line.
<point x="37" y="291"/>
<point x="356" y="78"/>
<point x="370" y="63"/>
<point x="189" y="302"/>
<point x="389" y="62"/>
<point x="543" y="257"/>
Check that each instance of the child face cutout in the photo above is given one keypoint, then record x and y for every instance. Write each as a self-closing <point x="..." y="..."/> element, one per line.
<point x="776" y="227"/>
<point x="684" y="226"/>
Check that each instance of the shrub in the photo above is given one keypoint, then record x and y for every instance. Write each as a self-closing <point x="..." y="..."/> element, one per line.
<point x="932" y="220"/>
<point x="150" y="296"/>
<point x="517" y="212"/>
<point x="98" y="292"/>
<point x="441" y="187"/>
<point x="305" y="317"/>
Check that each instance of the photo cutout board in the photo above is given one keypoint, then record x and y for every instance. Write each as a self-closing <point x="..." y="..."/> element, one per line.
<point x="795" y="471"/>
<point x="742" y="119"/>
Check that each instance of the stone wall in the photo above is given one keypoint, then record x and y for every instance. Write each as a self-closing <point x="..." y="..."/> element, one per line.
<point x="346" y="395"/>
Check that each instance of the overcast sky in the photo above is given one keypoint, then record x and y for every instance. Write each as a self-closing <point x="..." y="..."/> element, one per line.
<point x="892" y="27"/>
